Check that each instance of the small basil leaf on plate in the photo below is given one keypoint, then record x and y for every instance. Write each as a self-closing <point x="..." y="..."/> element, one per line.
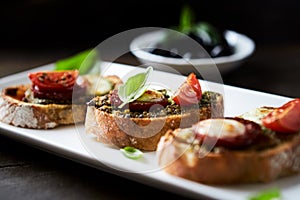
<point x="273" y="194"/>
<point x="83" y="61"/>
<point x="134" y="87"/>
<point x="132" y="152"/>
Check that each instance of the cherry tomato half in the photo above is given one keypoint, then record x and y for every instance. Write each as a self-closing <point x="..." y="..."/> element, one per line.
<point x="285" y="119"/>
<point x="189" y="92"/>
<point x="54" y="80"/>
<point x="194" y="82"/>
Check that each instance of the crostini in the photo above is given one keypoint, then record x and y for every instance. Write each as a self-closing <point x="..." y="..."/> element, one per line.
<point x="50" y="99"/>
<point x="259" y="146"/>
<point x="140" y="122"/>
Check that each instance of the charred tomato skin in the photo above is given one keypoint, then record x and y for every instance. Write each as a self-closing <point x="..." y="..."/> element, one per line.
<point x="56" y="85"/>
<point x="54" y="80"/>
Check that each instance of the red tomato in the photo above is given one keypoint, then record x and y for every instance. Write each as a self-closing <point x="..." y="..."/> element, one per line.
<point x="193" y="81"/>
<point x="189" y="92"/>
<point x="54" y="80"/>
<point x="55" y="85"/>
<point x="285" y="119"/>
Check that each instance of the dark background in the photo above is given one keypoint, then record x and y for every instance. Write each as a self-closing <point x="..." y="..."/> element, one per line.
<point x="79" y="24"/>
<point x="38" y="32"/>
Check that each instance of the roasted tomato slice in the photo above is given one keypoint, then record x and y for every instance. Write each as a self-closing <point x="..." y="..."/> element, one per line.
<point x="56" y="85"/>
<point x="189" y="92"/>
<point x="231" y="133"/>
<point x="285" y="119"/>
<point x="54" y="80"/>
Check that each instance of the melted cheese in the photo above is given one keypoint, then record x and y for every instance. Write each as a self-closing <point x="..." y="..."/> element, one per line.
<point x="151" y="95"/>
<point x="220" y="128"/>
<point x="256" y="114"/>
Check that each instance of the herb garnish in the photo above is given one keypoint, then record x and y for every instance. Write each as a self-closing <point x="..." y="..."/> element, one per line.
<point x="131" y="152"/>
<point x="188" y="25"/>
<point x="134" y="87"/>
<point x="83" y="61"/>
<point x="272" y="194"/>
<point x="187" y="20"/>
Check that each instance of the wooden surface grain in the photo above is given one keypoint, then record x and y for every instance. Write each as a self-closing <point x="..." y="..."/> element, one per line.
<point x="30" y="173"/>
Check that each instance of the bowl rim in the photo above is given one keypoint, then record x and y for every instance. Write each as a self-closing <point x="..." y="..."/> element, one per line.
<point x="244" y="45"/>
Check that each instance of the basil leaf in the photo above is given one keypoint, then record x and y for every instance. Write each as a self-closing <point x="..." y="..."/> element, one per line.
<point x="83" y="61"/>
<point x="267" y="195"/>
<point x="134" y="87"/>
<point x="131" y="152"/>
<point x="133" y="84"/>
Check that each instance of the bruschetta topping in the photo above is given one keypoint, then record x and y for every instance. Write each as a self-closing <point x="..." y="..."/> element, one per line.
<point x="151" y="99"/>
<point x="228" y="132"/>
<point x="144" y="103"/>
<point x="55" y="85"/>
<point x="220" y="128"/>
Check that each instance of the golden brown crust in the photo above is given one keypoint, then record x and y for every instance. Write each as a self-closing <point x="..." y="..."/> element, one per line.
<point x="142" y="133"/>
<point x="229" y="166"/>
<point x="16" y="112"/>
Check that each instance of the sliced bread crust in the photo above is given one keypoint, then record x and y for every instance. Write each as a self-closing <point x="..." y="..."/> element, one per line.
<point x="143" y="133"/>
<point x="16" y="112"/>
<point x="225" y="166"/>
<point x="229" y="167"/>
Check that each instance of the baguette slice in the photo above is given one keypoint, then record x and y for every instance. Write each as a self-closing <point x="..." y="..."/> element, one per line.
<point x="224" y="166"/>
<point x="16" y="112"/>
<point x="143" y="133"/>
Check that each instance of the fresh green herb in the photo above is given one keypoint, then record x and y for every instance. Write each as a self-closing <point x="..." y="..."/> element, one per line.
<point x="186" y="21"/>
<point x="187" y="25"/>
<point x="134" y="87"/>
<point x="131" y="152"/>
<point x="273" y="194"/>
<point x="83" y="61"/>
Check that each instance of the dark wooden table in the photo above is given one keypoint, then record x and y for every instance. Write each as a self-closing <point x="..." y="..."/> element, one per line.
<point x="30" y="173"/>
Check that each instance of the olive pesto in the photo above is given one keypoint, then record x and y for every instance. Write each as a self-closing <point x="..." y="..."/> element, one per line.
<point x="104" y="104"/>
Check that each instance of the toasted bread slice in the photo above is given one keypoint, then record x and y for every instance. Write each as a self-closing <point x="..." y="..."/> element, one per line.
<point x="143" y="132"/>
<point x="15" y="111"/>
<point x="262" y="162"/>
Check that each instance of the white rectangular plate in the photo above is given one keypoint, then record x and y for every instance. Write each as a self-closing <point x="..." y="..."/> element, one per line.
<point x="72" y="142"/>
